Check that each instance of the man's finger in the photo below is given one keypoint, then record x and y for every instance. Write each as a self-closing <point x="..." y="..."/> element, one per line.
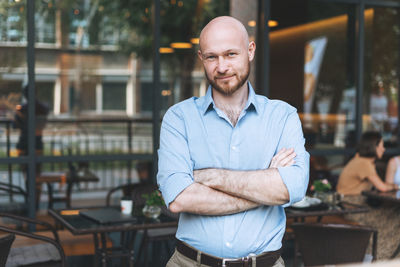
<point x="283" y="153"/>
<point x="287" y="159"/>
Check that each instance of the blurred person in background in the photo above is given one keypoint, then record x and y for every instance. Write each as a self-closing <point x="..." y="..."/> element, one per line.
<point x="21" y="122"/>
<point x="393" y="171"/>
<point x="360" y="174"/>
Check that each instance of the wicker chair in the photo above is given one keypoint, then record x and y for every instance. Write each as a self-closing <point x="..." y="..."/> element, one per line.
<point x="46" y="253"/>
<point x="326" y="244"/>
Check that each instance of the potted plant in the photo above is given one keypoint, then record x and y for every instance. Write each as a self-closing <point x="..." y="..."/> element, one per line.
<point x="322" y="190"/>
<point x="154" y="201"/>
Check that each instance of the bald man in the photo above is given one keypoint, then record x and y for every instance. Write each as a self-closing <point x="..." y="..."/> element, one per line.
<point x="230" y="161"/>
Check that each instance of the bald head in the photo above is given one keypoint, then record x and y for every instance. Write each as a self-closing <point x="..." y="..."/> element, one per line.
<point x="226" y="53"/>
<point x="225" y="24"/>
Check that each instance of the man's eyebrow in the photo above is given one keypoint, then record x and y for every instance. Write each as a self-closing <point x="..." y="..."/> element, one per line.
<point x="232" y="50"/>
<point x="205" y="54"/>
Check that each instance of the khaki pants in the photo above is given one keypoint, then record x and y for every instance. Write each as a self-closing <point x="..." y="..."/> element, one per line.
<point x="179" y="260"/>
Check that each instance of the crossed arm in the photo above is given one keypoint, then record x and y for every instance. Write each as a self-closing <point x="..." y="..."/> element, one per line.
<point x="221" y="191"/>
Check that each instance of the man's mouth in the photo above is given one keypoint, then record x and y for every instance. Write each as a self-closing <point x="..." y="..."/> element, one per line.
<point x="223" y="78"/>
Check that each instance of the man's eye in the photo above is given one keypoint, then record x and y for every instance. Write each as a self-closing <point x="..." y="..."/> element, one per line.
<point x="210" y="57"/>
<point x="232" y="54"/>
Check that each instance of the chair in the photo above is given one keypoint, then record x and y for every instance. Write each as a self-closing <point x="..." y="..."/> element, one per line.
<point x="5" y="245"/>
<point x="74" y="175"/>
<point x="152" y="235"/>
<point x="14" y="207"/>
<point x="48" y="252"/>
<point x="325" y="244"/>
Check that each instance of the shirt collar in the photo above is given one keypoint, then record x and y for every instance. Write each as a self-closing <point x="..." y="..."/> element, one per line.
<point x="251" y="101"/>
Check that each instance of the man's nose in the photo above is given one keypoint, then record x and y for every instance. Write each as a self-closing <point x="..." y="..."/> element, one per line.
<point x="222" y="66"/>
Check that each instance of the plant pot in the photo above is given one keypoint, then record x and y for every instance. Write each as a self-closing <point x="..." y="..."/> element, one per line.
<point x="330" y="198"/>
<point x="151" y="211"/>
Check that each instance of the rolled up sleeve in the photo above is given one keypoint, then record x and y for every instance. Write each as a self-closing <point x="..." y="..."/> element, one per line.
<point x="175" y="168"/>
<point x="295" y="177"/>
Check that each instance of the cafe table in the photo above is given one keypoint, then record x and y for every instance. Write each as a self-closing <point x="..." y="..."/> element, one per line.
<point x="77" y="224"/>
<point x="390" y="197"/>
<point x="341" y="208"/>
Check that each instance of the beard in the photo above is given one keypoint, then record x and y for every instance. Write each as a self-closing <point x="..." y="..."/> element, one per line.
<point x="230" y="90"/>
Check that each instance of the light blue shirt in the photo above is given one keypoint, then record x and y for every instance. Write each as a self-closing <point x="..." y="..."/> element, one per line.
<point x="195" y="134"/>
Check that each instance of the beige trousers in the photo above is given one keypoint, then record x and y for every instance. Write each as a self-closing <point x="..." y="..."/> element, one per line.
<point x="179" y="260"/>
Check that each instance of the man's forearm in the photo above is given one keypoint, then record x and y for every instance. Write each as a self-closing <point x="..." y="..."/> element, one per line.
<point x="200" y="199"/>
<point x="261" y="186"/>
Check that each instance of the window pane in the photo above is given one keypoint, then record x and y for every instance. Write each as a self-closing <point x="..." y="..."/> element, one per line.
<point x="312" y="67"/>
<point x="381" y="82"/>
<point x="182" y="73"/>
<point x="114" y="95"/>
<point x="89" y="66"/>
<point x="12" y="72"/>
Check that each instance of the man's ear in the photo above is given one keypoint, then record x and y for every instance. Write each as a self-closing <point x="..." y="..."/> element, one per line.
<point x="251" y="50"/>
<point x="199" y="55"/>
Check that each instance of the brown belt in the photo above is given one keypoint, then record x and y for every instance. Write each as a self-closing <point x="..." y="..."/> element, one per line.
<point x="266" y="259"/>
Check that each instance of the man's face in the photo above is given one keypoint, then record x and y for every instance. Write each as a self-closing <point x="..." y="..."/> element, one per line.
<point x="226" y="59"/>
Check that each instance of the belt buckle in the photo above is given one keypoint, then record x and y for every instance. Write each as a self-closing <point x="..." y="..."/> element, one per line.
<point x="227" y="260"/>
<point x="244" y="259"/>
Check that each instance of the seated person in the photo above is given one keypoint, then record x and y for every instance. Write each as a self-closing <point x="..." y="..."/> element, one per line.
<point x="360" y="174"/>
<point x="393" y="171"/>
<point x="144" y="170"/>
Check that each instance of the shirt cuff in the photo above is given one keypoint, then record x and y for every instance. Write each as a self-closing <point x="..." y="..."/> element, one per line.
<point x="174" y="185"/>
<point x="294" y="183"/>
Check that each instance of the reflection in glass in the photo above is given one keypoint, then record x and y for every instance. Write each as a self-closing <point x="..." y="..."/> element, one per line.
<point x="312" y="60"/>
<point x="382" y="85"/>
<point x="182" y="73"/>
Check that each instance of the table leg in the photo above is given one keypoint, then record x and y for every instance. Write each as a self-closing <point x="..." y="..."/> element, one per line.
<point x="100" y="252"/>
<point x="70" y="185"/>
<point x="397" y="251"/>
<point x="104" y="249"/>
<point x="50" y="194"/>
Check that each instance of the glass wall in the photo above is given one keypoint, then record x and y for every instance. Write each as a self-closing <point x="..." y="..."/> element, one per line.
<point x="94" y="75"/>
<point x="381" y="82"/>
<point x="181" y="71"/>
<point x="312" y="68"/>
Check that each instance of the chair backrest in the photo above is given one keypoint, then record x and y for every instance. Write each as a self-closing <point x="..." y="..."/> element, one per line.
<point x="135" y="191"/>
<point x="5" y="245"/>
<point x="138" y="190"/>
<point x="323" y="244"/>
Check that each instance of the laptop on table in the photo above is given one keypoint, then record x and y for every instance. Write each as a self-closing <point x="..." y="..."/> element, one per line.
<point x="107" y="216"/>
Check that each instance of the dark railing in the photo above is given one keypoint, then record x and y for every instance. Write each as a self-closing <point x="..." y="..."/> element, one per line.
<point x="67" y="138"/>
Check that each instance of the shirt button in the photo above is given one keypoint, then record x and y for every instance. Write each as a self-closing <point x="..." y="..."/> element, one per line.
<point x="234" y="147"/>
<point x="228" y="244"/>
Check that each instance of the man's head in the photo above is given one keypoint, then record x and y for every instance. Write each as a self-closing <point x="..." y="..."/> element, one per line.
<point x="226" y="54"/>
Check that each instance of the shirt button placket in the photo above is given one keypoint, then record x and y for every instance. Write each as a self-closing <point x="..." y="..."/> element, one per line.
<point x="234" y="153"/>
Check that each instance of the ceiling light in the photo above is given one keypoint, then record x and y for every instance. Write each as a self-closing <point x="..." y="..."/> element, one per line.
<point x="272" y="23"/>
<point x="166" y="50"/>
<point x="252" y="23"/>
<point x="181" y="45"/>
<point x="195" y="40"/>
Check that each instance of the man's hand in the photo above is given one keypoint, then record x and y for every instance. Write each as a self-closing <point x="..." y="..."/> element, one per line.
<point x="285" y="157"/>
